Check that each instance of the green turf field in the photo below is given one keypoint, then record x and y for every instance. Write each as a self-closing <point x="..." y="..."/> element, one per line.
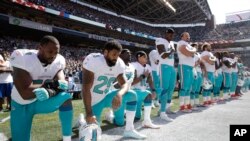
<point x="47" y="127"/>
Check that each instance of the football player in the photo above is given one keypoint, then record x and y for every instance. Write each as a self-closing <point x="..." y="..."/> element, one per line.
<point x="39" y="88"/>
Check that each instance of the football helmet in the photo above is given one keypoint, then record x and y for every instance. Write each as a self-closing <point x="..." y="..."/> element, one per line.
<point x="207" y="84"/>
<point x="90" y="132"/>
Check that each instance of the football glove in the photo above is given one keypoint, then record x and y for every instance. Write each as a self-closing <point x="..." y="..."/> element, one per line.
<point x="41" y="94"/>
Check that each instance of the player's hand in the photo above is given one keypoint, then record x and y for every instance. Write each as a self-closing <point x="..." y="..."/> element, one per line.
<point x="91" y="120"/>
<point x="153" y="95"/>
<point x="164" y="55"/>
<point x="146" y="73"/>
<point x="56" y="85"/>
<point x="157" y="62"/>
<point x="116" y="102"/>
<point x="41" y="94"/>
<point x="63" y="85"/>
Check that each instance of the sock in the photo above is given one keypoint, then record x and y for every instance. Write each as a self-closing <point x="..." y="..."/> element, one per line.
<point x="204" y="99"/>
<point x="192" y="102"/>
<point x="225" y="94"/>
<point x="187" y="100"/>
<point x="197" y="101"/>
<point x="66" y="117"/>
<point x="66" y="138"/>
<point x="181" y="100"/>
<point x="147" y="112"/>
<point x="168" y="107"/>
<point x="130" y="115"/>
<point x="209" y="98"/>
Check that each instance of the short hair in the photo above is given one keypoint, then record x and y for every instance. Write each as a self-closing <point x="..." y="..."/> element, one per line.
<point x="194" y="44"/>
<point x="125" y="50"/>
<point x="205" y="46"/>
<point x="170" y="30"/>
<point x="182" y="34"/>
<point x="113" y="44"/>
<point x="140" y="54"/>
<point x="48" y="39"/>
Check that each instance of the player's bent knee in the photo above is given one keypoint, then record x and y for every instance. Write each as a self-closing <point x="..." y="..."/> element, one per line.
<point x="131" y="96"/>
<point x="66" y="106"/>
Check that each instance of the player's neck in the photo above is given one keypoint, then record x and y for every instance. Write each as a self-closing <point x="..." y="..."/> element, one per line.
<point x="142" y="64"/>
<point x="44" y="64"/>
<point x="126" y="63"/>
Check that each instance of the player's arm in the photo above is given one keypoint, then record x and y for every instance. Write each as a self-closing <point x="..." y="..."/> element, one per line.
<point x="138" y="79"/>
<point x="5" y="69"/>
<point x="2" y="64"/>
<point x="162" y="51"/>
<point x="23" y="83"/>
<point x="203" y="68"/>
<point x="124" y="85"/>
<point x="218" y="65"/>
<point x="87" y="83"/>
<point x="116" y="102"/>
<point x="227" y="63"/>
<point x="206" y="59"/>
<point x="185" y="52"/>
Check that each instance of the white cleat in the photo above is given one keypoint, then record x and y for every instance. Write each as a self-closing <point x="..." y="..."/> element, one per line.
<point x="149" y="124"/>
<point x="194" y="108"/>
<point x="165" y="117"/>
<point x="133" y="134"/>
<point x="109" y="116"/>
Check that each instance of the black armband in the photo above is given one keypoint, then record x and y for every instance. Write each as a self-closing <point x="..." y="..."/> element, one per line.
<point x="51" y="92"/>
<point x="53" y="84"/>
<point x="142" y="76"/>
<point x="153" y="90"/>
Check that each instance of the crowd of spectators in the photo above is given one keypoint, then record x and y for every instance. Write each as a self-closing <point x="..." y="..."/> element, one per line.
<point x="232" y="31"/>
<point x="73" y="55"/>
<point x="229" y="31"/>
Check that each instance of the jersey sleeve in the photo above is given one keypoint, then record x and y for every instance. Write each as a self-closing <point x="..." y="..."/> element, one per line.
<point x="159" y="41"/>
<point x="1" y="58"/>
<point x="17" y="60"/>
<point x="149" y="68"/>
<point x="154" y="55"/>
<point x="204" y="53"/>
<point x="121" y="67"/>
<point x="63" y="63"/>
<point x="89" y="63"/>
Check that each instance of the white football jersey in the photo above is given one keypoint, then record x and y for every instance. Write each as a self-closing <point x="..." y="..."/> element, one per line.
<point x="139" y="71"/>
<point x="27" y="60"/>
<point x="184" y="60"/>
<point x="129" y="74"/>
<point x="219" y="71"/>
<point x="153" y="57"/>
<point x="104" y="75"/>
<point x="168" y="45"/>
<point x="208" y="67"/>
<point x="224" y="67"/>
<point x="236" y="67"/>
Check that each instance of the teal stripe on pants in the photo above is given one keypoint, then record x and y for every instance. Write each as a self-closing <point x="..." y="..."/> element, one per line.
<point x="186" y="79"/>
<point x="128" y="101"/>
<point x="142" y="98"/>
<point x="234" y="77"/>
<point x="218" y="83"/>
<point x="168" y="80"/>
<point x="226" y="82"/>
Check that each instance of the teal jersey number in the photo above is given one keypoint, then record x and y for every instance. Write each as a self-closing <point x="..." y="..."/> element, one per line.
<point x="143" y="82"/>
<point x="105" y="81"/>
